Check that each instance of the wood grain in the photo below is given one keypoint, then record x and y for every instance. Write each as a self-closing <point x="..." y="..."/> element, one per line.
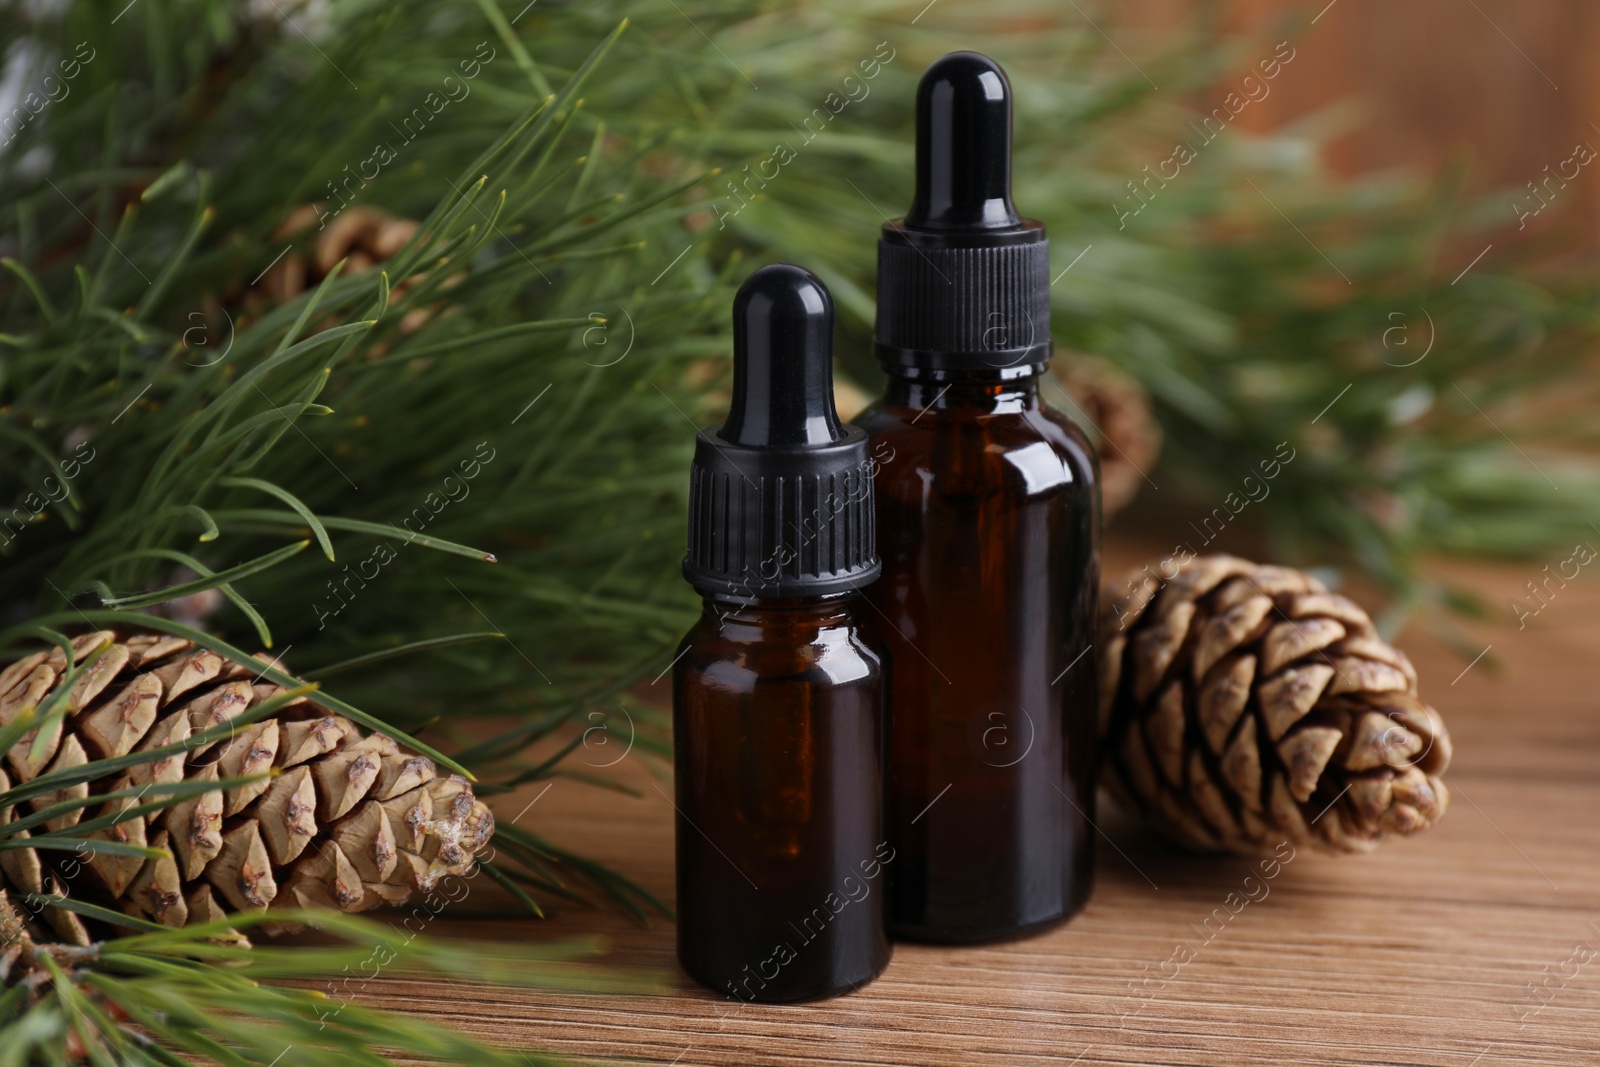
<point x="1421" y="953"/>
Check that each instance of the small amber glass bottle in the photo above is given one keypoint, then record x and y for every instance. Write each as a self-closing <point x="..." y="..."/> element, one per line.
<point x="988" y="523"/>
<point x="777" y="692"/>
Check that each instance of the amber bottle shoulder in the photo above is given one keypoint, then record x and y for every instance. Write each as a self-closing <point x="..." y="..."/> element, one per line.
<point x="1038" y="446"/>
<point x="744" y="647"/>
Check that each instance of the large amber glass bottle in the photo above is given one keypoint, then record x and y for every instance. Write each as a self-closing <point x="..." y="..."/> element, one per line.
<point x="988" y="527"/>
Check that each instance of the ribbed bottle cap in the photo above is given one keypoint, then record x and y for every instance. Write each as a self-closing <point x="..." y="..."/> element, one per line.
<point x="963" y="280"/>
<point x="780" y="495"/>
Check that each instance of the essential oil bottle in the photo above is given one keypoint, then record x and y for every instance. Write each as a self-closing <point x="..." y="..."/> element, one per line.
<point x="988" y="525"/>
<point x="777" y="692"/>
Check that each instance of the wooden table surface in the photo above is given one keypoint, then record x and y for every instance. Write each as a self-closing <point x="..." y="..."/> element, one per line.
<point x="1474" y="945"/>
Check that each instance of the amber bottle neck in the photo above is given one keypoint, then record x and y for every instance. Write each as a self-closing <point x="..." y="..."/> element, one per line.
<point x="985" y="395"/>
<point x="784" y="613"/>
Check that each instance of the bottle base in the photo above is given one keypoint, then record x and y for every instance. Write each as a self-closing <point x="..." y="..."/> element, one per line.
<point x="789" y="993"/>
<point x="951" y="934"/>
<point x="945" y="935"/>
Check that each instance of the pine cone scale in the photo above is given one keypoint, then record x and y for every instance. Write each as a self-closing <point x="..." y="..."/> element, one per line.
<point x="1223" y="698"/>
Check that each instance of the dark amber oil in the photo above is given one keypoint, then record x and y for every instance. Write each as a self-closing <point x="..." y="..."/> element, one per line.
<point x="987" y="528"/>
<point x="782" y="859"/>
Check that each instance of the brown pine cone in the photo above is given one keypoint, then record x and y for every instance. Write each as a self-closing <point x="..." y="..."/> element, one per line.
<point x="1126" y="435"/>
<point x="1244" y="704"/>
<point x="340" y="819"/>
<point x="362" y="236"/>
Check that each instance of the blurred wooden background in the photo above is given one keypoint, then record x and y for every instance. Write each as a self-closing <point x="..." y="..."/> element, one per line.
<point x="1508" y="86"/>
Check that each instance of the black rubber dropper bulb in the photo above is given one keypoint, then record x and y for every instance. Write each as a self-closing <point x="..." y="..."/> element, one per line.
<point x="963" y="147"/>
<point x="782" y="361"/>
<point x="963" y="283"/>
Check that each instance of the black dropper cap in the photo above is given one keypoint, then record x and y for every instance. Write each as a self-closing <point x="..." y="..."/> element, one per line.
<point x="780" y="495"/>
<point x="963" y="280"/>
